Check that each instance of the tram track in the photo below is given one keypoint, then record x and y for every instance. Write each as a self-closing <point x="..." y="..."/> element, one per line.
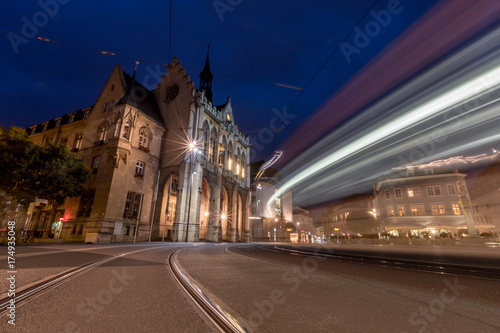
<point x="217" y="314"/>
<point x="25" y="294"/>
<point x="482" y="272"/>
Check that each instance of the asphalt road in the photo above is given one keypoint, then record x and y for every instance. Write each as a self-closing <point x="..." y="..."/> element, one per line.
<point x="273" y="291"/>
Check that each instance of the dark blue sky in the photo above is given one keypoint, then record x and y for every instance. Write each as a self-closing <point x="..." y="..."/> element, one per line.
<point x="257" y="44"/>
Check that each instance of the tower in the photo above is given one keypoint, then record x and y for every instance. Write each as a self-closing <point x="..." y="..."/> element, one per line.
<point x="206" y="78"/>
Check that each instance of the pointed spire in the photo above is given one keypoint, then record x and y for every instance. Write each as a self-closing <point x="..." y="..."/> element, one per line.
<point x="206" y="77"/>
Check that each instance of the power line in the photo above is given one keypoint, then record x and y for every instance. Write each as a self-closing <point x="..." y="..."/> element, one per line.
<point x="326" y="62"/>
<point x="143" y="60"/>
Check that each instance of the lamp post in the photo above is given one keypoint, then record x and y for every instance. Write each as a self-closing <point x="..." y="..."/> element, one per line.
<point x="140" y="204"/>
<point x="298" y="230"/>
<point x="258" y="213"/>
<point x="193" y="150"/>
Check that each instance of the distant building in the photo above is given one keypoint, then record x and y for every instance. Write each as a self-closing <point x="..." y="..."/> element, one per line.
<point x="333" y="223"/>
<point x="303" y="223"/>
<point x="420" y="201"/>
<point x="485" y="196"/>
<point x="269" y="223"/>
<point x="137" y="143"/>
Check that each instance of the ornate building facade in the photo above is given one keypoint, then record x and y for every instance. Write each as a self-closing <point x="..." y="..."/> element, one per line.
<point x="166" y="163"/>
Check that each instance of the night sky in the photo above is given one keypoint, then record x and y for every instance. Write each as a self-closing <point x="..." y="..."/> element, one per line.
<point x="254" y="44"/>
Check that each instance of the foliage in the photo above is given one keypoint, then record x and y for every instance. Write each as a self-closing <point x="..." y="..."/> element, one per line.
<point x="50" y="172"/>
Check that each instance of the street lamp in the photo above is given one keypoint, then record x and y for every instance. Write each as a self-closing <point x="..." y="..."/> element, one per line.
<point x="258" y="188"/>
<point x="193" y="150"/>
<point x="298" y="230"/>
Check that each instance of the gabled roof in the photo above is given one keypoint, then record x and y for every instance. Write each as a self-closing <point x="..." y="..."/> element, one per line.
<point x="141" y="98"/>
<point x="222" y="106"/>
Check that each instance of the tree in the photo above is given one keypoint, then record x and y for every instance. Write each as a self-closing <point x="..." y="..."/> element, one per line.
<point x="16" y="154"/>
<point x="51" y="172"/>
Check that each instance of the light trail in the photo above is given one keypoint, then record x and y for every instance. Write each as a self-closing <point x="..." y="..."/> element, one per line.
<point x="456" y="96"/>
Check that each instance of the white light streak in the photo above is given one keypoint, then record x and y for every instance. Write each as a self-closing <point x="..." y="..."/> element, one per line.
<point x="436" y="106"/>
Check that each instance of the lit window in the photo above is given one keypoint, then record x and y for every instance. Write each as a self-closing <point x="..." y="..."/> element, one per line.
<point x="417" y="210"/>
<point x="456" y="209"/>
<point x="433" y="191"/>
<point x="398" y="193"/>
<point x="438" y="209"/>
<point x="390" y="211"/>
<point x="229" y="164"/>
<point x="414" y="192"/>
<point x="387" y="194"/>
<point x="452" y="189"/>
<point x="401" y="210"/>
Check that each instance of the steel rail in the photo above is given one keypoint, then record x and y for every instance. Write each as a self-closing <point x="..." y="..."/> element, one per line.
<point x="417" y="265"/>
<point x="222" y="320"/>
<point x="25" y="295"/>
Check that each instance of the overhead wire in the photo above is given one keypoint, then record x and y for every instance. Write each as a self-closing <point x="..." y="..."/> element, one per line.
<point x="326" y="63"/>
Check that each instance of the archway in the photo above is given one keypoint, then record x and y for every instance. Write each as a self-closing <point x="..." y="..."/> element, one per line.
<point x="167" y="217"/>
<point x="204" y="208"/>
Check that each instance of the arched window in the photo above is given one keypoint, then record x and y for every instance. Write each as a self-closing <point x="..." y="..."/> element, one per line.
<point x="222" y="152"/>
<point x="213" y="146"/>
<point x="102" y="131"/>
<point x="243" y="166"/>
<point x="144" y="138"/>
<point x="126" y="130"/>
<point x="230" y="156"/>
<point x="118" y="126"/>
<point x="237" y="162"/>
<point x="206" y="141"/>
